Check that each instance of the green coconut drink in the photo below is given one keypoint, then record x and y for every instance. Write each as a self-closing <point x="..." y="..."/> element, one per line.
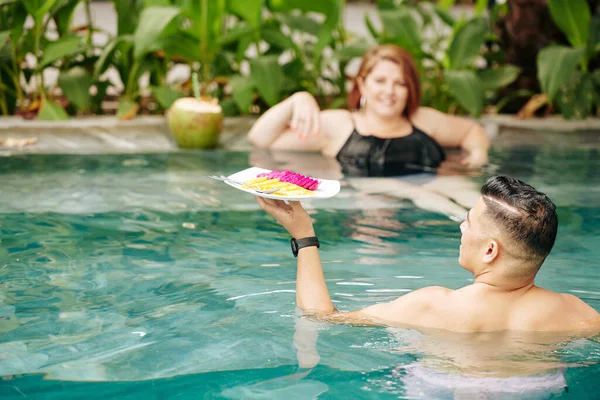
<point x="195" y="123"/>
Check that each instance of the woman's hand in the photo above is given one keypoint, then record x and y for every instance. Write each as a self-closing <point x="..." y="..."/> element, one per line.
<point x="476" y="158"/>
<point x="291" y="216"/>
<point x="305" y="115"/>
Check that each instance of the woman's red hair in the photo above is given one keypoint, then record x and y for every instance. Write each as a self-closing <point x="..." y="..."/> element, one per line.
<point x="397" y="55"/>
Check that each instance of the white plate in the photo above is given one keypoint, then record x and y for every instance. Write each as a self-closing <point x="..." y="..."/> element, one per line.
<point x="327" y="188"/>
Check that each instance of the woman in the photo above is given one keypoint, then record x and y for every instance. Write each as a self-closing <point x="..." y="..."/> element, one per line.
<point x="386" y="132"/>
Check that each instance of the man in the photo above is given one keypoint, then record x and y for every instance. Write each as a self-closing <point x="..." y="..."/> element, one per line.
<point x="505" y="239"/>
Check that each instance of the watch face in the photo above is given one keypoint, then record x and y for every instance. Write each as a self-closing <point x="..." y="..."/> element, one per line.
<point x="294" y="245"/>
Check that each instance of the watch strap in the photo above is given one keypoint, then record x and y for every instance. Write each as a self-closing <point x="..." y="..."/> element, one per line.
<point x="298" y="244"/>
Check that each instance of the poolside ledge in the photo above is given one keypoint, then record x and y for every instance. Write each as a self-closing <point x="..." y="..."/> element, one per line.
<point x="144" y="134"/>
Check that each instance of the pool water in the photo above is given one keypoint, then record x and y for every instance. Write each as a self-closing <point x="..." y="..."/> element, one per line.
<point x="136" y="276"/>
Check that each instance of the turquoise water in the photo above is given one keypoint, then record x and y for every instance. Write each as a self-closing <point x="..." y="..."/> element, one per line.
<point x="135" y="276"/>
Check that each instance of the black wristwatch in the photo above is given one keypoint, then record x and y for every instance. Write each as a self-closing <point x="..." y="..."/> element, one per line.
<point x="298" y="244"/>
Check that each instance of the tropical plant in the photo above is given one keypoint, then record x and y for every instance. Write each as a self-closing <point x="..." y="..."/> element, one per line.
<point x="564" y="71"/>
<point x="449" y="71"/>
<point x="298" y="38"/>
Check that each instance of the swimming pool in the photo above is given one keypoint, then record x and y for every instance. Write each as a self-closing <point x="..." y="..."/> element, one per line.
<point x="135" y="276"/>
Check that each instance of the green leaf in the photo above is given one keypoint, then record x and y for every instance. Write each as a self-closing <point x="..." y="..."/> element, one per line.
<point x="480" y="6"/>
<point x="555" y="65"/>
<point x="444" y="15"/>
<point x="17" y="23"/>
<point x="63" y="47"/>
<point x="152" y="23"/>
<point x="573" y="18"/>
<point x="166" y="95"/>
<point x="320" y="6"/>
<point x="52" y="111"/>
<point x="576" y="99"/>
<point x="276" y="39"/>
<point x="128" y="14"/>
<point x="352" y="50"/>
<point x="242" y="91"/>
<point x="401" y="27"/>
<point x="4" y="37"/>
<point x="127" y="109"/>
<point x="155" y="3"/>
<point x="266" y="74"/>
<point x="301" y="23"/>
<point x="371" y="27"/>
<point x="235" y="34"/>
<point x="466" y="89"/>
<point x="207" y="21"/>
<point x="103" y="62"/>
<point x="593" y="43"/>
<point x="75" y="84"/>
<point x="492" y="79"/>
<point x="466" y="43"/>
<point x="248" y="10"/>
<point x="446" y="4"/>
<point x="182" y="44"/>
<point x="64" y="15"/>
<point x="96" y="101"/>
<point x="38" y="8"/>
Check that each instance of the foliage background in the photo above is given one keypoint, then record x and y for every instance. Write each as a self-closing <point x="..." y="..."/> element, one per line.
<point x="251" y="54"/>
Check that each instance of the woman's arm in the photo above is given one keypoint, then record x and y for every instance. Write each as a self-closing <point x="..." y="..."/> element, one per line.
<point x="298" y="113"/>
<point x="453" y="131"/>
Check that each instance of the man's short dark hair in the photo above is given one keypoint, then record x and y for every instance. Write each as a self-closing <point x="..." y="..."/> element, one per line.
<point x="524" y="214"/>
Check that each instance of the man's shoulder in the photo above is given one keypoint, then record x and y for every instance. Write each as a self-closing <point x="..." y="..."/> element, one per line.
<point x="561" y="311"/>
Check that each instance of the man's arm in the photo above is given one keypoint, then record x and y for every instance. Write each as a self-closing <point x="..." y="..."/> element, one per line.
<point x="415" y="308"/>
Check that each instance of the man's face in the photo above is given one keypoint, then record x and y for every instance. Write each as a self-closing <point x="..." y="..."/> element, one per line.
<point x="473" y="238"/>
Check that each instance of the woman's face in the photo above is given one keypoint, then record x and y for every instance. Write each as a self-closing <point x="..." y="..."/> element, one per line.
<point x="384" y="89"/>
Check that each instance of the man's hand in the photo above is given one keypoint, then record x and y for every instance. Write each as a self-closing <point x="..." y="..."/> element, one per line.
<point x="291" y="216"/>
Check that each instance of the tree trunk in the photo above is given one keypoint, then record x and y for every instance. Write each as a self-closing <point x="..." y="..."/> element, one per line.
<point x="523" y="32"/>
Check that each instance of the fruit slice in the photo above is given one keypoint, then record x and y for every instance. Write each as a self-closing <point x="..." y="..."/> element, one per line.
<point x="285" y="188"/>
<point x="300" y="180"/>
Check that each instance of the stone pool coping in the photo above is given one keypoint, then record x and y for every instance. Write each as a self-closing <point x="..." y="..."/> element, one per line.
<point x="147" y="134"/>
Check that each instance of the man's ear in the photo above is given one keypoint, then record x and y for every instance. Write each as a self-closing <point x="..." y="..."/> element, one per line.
<point x="491" y="252"/>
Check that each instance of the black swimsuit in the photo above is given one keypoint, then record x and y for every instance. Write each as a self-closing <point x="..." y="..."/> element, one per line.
<point x="373" y="156"/>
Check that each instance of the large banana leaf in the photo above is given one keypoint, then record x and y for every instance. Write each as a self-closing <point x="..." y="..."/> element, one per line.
<point x="573" y="18"/>
<point x="576" y="98"/>
<point x="152" y="23"/>
<point x="466" y="43"/>
<point x="492" y="79"/>
<point x="75" y="84"/>
<point x="268" y="78"/>
<point x="401" y="27"/>
<point x="555" y="65"/>
<point x="466" y="89"/>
